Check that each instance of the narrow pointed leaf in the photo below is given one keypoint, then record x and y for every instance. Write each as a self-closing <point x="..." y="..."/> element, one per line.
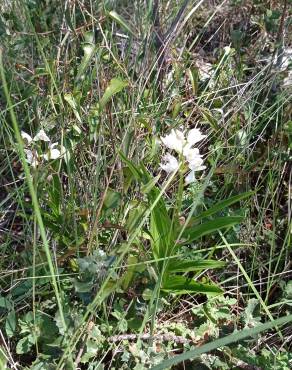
<point x="192" y="233"/>
<point x="121" y="21"/>
<point x="89" y="50"/>
<point x="221" y="205"/>
<point x="150" y="184"/>
<point x="72" y="102"/>
<point x="131" y="166"/>
<point x="115" y="86"/>
<point x="187" y="265"/>
<point x="182" y="285"/>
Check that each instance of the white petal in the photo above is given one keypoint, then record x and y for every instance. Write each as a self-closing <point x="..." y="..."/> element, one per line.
<point x="31" y="158"/>
<point x="194" y="136"/>
<point x="26" y="138"/>
<point x="52" y="154"/>
<point x="196" y="164"/>
<point x="170" y="163"/>
<point x="29" y="155"/>
<point x="190" y="177"/>
<point x="41" y="135"/>
<point x="175" y="140"/>
<point x="55" y="153"/>
<point x="62" y="148"/>
<point x="196" y="167"/>
<point x="191" y="153"/>
<point x="53" y="145"/>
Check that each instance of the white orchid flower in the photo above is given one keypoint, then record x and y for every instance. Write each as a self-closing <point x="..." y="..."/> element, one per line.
<point x="31" y="158"/>
<point x="194" y="136"/>
<point x="196" y="164"/>
<point x="54" y="153"/>
<point x="26" y="138"/>
<point x="190" y="178"/>
<point x="191" y="153"/>
<point x="170" y="163"/>
<point x="175" y="140"/>
<point x="194" y="167"/>
<point x="41" y="135"/>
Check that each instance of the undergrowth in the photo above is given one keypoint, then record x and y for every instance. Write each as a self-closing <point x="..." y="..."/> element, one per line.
<point x="145" y="203"/>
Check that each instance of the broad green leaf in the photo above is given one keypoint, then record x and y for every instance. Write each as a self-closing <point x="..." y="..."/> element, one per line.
<point x="187" y="265"/>
<point x="5" y="303"/>
<point x="232" y="338"/>
<point x="24" y="345"/>
<point x="192" y="233"/>
<point x="128" y="138"/>
<point x="221" y="205"/>
<point x="112" y="199"/>
<point x="115" y="86"/>
<point x="3" y="357"/>
<point x="182" y="285"/>
<point x="135" y="215"/>
<point x="10" y="324"/>
<point x="161" y="229"/>
<point x="121" y="21"/>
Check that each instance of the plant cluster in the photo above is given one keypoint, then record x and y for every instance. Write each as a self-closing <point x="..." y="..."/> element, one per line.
<point x="145" y="203"/>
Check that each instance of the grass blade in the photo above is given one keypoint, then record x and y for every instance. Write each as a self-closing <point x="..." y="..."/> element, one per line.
<point x="235" y="337"/>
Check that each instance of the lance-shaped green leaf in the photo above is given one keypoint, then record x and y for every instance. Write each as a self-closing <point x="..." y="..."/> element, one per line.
<point x="121" y="21"/>
<point x="192" y="233"/>
<point x="135" y="170"/>
<point x="115" y="86"/>
<point x="146" y="188"/>
<point x="220" y="206"/>
<point x="89" y="49"/>
<point x="188" y="265"/>
<point x="182" y="285"/>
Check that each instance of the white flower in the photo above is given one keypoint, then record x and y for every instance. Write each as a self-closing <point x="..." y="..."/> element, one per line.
<point x="54" y="153"/>
<point x="31" y="158"/>
<point x="195" y="159"/>
<point x="194" y="136"/>
<point x="170" y="163"/>
<point x="191" y="153"/>
<point x="26" y="138"/>
<point x="196" y="164"/>
<point x="175" y="140"/>
<point x="190" y="178"/>
<point x="41" y="135"/>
